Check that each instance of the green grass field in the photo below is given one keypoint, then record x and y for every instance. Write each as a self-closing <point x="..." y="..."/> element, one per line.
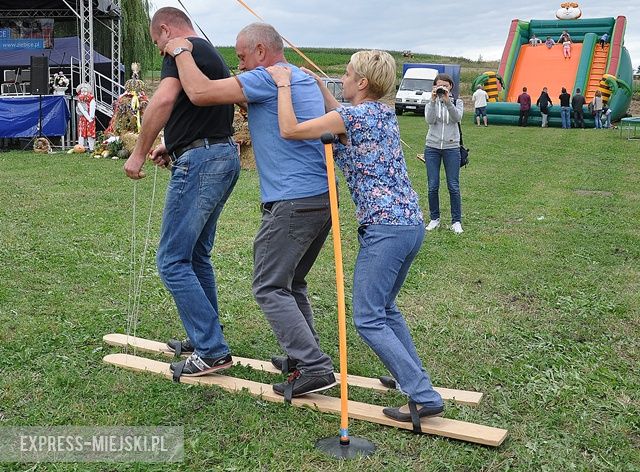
<point x="536" y="305"/>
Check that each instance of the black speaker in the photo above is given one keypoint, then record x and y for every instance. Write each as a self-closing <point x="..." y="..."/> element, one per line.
<point x="39" y="75"/>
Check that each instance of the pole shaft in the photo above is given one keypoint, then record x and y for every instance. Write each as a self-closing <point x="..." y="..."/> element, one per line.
<point x="342" y="329"/>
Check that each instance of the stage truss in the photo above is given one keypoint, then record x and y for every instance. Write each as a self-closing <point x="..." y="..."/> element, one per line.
<point x="86" y="12"/>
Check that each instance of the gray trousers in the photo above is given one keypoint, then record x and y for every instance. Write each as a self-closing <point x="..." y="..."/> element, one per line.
<point x="286" y="246"/>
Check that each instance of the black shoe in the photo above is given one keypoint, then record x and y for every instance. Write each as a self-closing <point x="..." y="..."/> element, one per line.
<point x="194" y="365"/>
<point x="301" y="384"/>
<point x="179" y="347"/>
<point x="388" y="381"/>
<point x="279" y="363"/>
<point x="423" y="412"/>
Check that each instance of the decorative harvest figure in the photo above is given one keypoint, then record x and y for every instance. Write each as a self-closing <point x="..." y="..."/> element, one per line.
<point x="86" y="109"/>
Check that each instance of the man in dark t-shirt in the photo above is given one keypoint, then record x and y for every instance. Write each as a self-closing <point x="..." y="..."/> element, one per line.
<point x="565" y="108"/>
<point x="204" y="165"/>
<point x="577" y="102"/>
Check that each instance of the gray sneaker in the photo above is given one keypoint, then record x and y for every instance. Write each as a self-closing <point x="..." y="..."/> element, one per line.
<point x="422" y="411"/>
<point x="195" y="366"/>
<point x="180" y="347"/>
<point x="279" y="363"/>
<point x="300" y="384"/>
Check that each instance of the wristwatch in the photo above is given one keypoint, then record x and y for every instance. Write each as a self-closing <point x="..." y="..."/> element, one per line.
<point x="179" y="50"/>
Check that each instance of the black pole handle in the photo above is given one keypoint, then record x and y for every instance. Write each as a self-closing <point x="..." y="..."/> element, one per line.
<point x="327" y="138"/>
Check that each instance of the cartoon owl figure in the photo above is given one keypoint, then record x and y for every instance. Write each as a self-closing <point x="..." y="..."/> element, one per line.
<point x="568" y="11"/>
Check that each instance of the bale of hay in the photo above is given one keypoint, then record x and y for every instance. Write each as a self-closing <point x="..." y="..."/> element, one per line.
<point x="243" y="138"/>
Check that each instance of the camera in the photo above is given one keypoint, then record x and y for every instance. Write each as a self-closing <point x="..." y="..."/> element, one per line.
<point x="441" y="91"/>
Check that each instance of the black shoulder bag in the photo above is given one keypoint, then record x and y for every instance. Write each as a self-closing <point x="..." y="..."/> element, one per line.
<point x="464" y="152"/>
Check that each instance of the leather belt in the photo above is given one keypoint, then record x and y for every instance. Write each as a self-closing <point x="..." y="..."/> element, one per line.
<point x="198" y="143"/>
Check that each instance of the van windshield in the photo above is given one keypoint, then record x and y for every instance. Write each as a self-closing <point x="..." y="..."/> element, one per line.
<point x="416" y="84"/>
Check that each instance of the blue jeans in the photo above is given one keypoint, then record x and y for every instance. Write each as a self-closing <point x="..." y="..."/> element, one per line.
<point x="201" y="181"/>
<point x="598" y="120"/>
<point x="451" y="158"/>
<point x="385" y="256"/>
<point x="565" y="114"/>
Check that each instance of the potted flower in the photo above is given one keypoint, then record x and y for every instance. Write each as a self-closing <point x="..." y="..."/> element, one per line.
<point x="59" y="82"/>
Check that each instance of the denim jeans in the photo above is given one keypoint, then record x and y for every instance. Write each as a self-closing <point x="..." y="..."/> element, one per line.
<point x="565" y="114"/>
<point x="451" y="158"/>
<point x="597" y="118"/>
<point x="385" y="256"/>
<point x="284" y="250"/>
<point x="523" y="118"/>
<point x="578" y="118"/>
<point x="201" y="181"/>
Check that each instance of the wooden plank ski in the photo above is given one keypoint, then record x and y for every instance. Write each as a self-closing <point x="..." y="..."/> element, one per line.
<point x="449" y="428"/>
<point x="146" y="345"/>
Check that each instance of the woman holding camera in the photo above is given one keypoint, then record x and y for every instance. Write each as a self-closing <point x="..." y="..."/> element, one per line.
<point x="443" y="114"/>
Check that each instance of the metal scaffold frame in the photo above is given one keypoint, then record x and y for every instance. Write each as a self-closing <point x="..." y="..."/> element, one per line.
<point x="85" y="13"/>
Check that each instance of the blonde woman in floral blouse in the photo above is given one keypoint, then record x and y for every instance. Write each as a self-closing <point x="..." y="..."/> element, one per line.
<point x="391" y="224"/>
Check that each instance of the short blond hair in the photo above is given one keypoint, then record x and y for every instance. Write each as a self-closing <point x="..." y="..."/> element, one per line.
<point x="379" y="68"/>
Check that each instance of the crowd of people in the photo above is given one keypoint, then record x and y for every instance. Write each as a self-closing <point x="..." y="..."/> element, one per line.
<point x="568" y="106"/>
<point x="288" y="109"/>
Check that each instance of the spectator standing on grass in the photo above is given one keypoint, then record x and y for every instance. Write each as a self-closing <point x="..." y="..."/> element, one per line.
<point x="480" y="98"/>
<point x="296" y="217"/>
<point x="577" y="104"/>
<point x="524" y="99"/>
<point x="544" y="102"/>
<point x="597" y="109"/>
<point x="565" y="108"/>
<point x="443" y="114"/>
<point x="390" y="222"/>
<point x="606" y="117"/>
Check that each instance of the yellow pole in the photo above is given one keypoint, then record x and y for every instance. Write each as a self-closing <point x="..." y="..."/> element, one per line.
<point x="327" y="140"/>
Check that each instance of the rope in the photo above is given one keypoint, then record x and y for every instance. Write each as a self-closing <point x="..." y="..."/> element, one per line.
<point x="291" y="45"/>
<point x="135" y="283"/>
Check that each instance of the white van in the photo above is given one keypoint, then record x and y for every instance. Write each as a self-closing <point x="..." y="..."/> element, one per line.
<point x="335" y="87"/>
<point x="415" y="90"/>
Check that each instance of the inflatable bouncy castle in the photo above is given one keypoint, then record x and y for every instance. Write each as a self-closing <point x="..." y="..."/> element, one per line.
<point x="593" y="65"/>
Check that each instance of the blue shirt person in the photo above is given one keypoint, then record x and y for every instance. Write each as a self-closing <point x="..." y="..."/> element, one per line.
<point x="391" y="224"/>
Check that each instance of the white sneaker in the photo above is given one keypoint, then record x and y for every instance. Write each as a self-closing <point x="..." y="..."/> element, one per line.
<point x="433" y="224"/>
<point x="457" y="228"/>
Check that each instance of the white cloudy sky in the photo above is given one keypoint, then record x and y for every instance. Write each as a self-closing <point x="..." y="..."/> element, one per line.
<point x="467" y="28"/>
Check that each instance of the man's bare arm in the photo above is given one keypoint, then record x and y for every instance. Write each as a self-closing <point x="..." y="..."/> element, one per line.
<point x="155" y="117"/>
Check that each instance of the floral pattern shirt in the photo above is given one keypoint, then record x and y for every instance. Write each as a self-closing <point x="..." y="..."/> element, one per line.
<point x="374" y="167"/>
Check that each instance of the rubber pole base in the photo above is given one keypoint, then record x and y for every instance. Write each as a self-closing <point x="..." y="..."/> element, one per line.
<point x="356" y="447"/>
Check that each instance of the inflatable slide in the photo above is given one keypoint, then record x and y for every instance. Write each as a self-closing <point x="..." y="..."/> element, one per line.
<point x="591" y="67"/>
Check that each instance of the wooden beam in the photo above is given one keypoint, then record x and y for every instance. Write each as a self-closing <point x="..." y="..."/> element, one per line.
<point x="449" y="428"/>
<point x="463" y="397"/>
